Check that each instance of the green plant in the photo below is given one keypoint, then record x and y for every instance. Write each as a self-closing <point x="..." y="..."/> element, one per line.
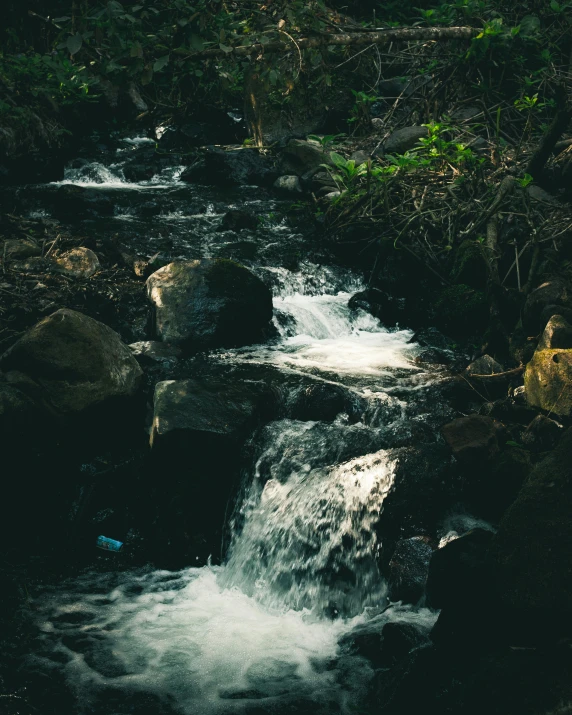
<point x="326" y="140"/>
<point x="525" y="181"/>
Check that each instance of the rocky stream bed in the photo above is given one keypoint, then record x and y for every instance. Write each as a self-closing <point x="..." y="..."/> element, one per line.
<point x="323" y="511"/>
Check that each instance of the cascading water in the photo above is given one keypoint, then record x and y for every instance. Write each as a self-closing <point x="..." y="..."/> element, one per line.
<point x="260" y="634"/>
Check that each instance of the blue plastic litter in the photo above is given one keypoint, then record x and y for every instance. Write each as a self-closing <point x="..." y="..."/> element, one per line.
<point x="107" y="544"/>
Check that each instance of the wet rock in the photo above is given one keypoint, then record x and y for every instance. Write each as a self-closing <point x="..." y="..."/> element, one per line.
<point x="151" y="352"/>
<point x="288" y="185"/>
<point x="423" y="471"/>
<point x="75" y="361"/>
<point x="213" y="126"/>
<point x="557" y="334"/>
<point x="472" y="439"/>
<point x="78" y="263"/>
<point x="149" y="208"/>
<point x="235" y="167"/>
<point x="376" y="302"/>
<point x="404" y="139"/>
<point x="137" y="171"/>
<point x="209" y="303"/>
<point x="206" y="414"/>
<point x="17" y="249"/>
<point x="554" y="293"/>
<point x="237" y="220"/>
<point x="542" y="434"/>
<point x="301" y="157"/>
<point x="548" y="380"/>
<point x="398" y="640"/>
<point x="324" y="402"/>
<point x="408" y="569"/>
<point x="433" y="357"/>
<point x="531" y="551"/>
<point x="77" y="202"/>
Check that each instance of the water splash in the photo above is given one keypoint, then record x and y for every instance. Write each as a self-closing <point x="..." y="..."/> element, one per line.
<point x="309" y="539"/>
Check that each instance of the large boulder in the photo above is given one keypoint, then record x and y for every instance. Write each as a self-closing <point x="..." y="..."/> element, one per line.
<point x="532" y="550"/>
<point x="548" y="380"/>
<point x="205" y="415"/>
<point x="199" y="428"/>
<point x="74" y="362"/>
<point x="300" y="158"/>
<point x="234" y="167"/>
<point x="78" y="202"/>
<point x="557" y="334"/>
<point x="209" y="303"/>
<point x="404" y="139"/>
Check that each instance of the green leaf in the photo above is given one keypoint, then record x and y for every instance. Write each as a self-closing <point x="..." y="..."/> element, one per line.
<point x="160" y="63"/>
<point x="337" y="159"/>
<point x="136" y="50"/>
<point x="225" y="48"/>
<point x="273" y="77"/>
<point x="74" y="43"/>
<point x="529" y="25"/>
<point x="61" y="19"/>
<point x="115" y="8"/>
<point x="197" y="43"/>
<point x="555" y="6"/>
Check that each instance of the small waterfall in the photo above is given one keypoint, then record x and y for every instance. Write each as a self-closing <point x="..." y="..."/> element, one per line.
<point x="309" y="540"/>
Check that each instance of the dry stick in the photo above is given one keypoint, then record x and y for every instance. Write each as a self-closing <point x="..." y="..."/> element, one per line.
<point x="517" y="265"/>
<point x="492" y="247"/>
<point x="519" y="254"/>
<point x="494" y="375"/>
<point x="54" y="244"/>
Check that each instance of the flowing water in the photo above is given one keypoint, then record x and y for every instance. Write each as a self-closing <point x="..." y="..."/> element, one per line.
<point x="260" y="633"/>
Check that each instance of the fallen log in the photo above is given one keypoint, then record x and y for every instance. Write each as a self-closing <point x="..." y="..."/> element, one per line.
<point x="384" y="37"/>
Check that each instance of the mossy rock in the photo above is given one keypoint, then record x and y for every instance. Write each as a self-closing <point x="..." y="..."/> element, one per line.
<point x="548" y="381"/>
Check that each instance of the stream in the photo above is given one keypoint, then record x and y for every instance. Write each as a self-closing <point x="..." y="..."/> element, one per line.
<point x="267" y="631"/>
